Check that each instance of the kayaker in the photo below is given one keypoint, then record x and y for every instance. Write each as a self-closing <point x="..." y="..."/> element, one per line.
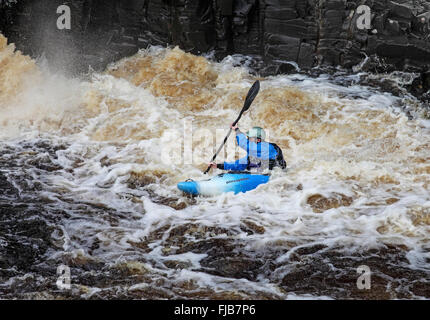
<point x="261" y="155"/>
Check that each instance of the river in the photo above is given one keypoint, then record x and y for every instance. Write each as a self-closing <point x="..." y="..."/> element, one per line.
<point x="89" y="167"/>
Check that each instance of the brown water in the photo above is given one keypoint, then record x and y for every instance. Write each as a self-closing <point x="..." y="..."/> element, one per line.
<point x="88" y="174"/>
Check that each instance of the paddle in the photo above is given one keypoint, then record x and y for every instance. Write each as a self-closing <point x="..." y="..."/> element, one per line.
<point x="252" y="93"/>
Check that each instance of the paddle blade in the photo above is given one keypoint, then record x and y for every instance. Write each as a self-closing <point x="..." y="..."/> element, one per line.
<point x="252" y="93"/>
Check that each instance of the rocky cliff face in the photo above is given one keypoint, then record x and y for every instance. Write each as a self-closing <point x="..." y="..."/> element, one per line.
<point x="274" y="32"/>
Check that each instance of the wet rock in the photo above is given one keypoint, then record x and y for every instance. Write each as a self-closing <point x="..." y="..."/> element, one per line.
<point x="280" y="13"/>
<point x="81" y="260"/>
<point x="227" y="259"/>
<point x="320" y="203"/>
<point x="393" y="27"/>
<point x="133" y="267"/>
<point x="172" y="202"/>
<point x="421" y="85"/>
<point x="321" y="270"/>
<point x="234" y="267"/>
<point x="183" y="234"/>
<point x="173" y="264"/>
<point x="421" y="288"/>
<point x="402" y="10"/>
<point x="252" y="228"/>
<point x="25" y="238"/>
<point x="306" y="57"/>
<point x="138" y="180"/>
<point x="309" y="249"/>
<point x="6" y="188"/>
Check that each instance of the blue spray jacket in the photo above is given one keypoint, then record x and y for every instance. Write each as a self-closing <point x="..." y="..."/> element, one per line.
<point x="257" y="154"/>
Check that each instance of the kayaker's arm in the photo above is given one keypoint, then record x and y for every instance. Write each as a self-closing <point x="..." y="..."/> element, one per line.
<point x="235" y="166"/>
<point x="238" y="165"/>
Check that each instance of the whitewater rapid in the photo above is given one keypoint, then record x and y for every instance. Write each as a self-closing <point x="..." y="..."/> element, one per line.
<point x="100" y="159"/>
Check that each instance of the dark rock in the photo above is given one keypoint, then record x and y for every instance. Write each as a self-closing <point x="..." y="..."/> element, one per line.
<point x="284" y="51"/>
<point x="379" y="23"/>
<point x="350" y="5"/>
<point x="306" y="55"/>
<point x="421" y="24"/>
<point x="293" y="28"/>
<point x="311" y="269"/>
<point x="306" y="32"/>
<point x="333" y="20"/>
<point x="282" y="3"/>
<point x="393" y="27"/>
<point x="226" y="7"/>
<point x="361" y="38"/>
<point x="372" y="42"/>
<point x="403" y="51"/>
<point x="286" y="68"/>
<point x="401" y="10"/>
<point x="421" y="86"/>
<point x="335" y="4"/>
<point x="280" y="13"/>
<point x="331" y="50"/>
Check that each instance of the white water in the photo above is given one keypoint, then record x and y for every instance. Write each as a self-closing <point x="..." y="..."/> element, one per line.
<point x="339" y="143"/>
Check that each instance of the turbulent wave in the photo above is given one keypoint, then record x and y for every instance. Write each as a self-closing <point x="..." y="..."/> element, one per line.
<point x="88" y="173"/>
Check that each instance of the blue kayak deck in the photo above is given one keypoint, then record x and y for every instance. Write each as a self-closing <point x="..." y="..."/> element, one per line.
<point x="232" y="181"/>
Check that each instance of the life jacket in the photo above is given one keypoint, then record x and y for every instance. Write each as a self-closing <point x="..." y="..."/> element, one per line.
<point x="279" y="161"/>
<point x="260" y="165"/>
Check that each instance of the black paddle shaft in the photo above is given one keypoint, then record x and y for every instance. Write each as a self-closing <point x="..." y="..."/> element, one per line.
<point x="252" y="93"/>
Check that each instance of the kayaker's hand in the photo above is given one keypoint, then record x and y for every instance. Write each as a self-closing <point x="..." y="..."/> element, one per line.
<point x="212" y="165"/>
<point x="234" y="127"/>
